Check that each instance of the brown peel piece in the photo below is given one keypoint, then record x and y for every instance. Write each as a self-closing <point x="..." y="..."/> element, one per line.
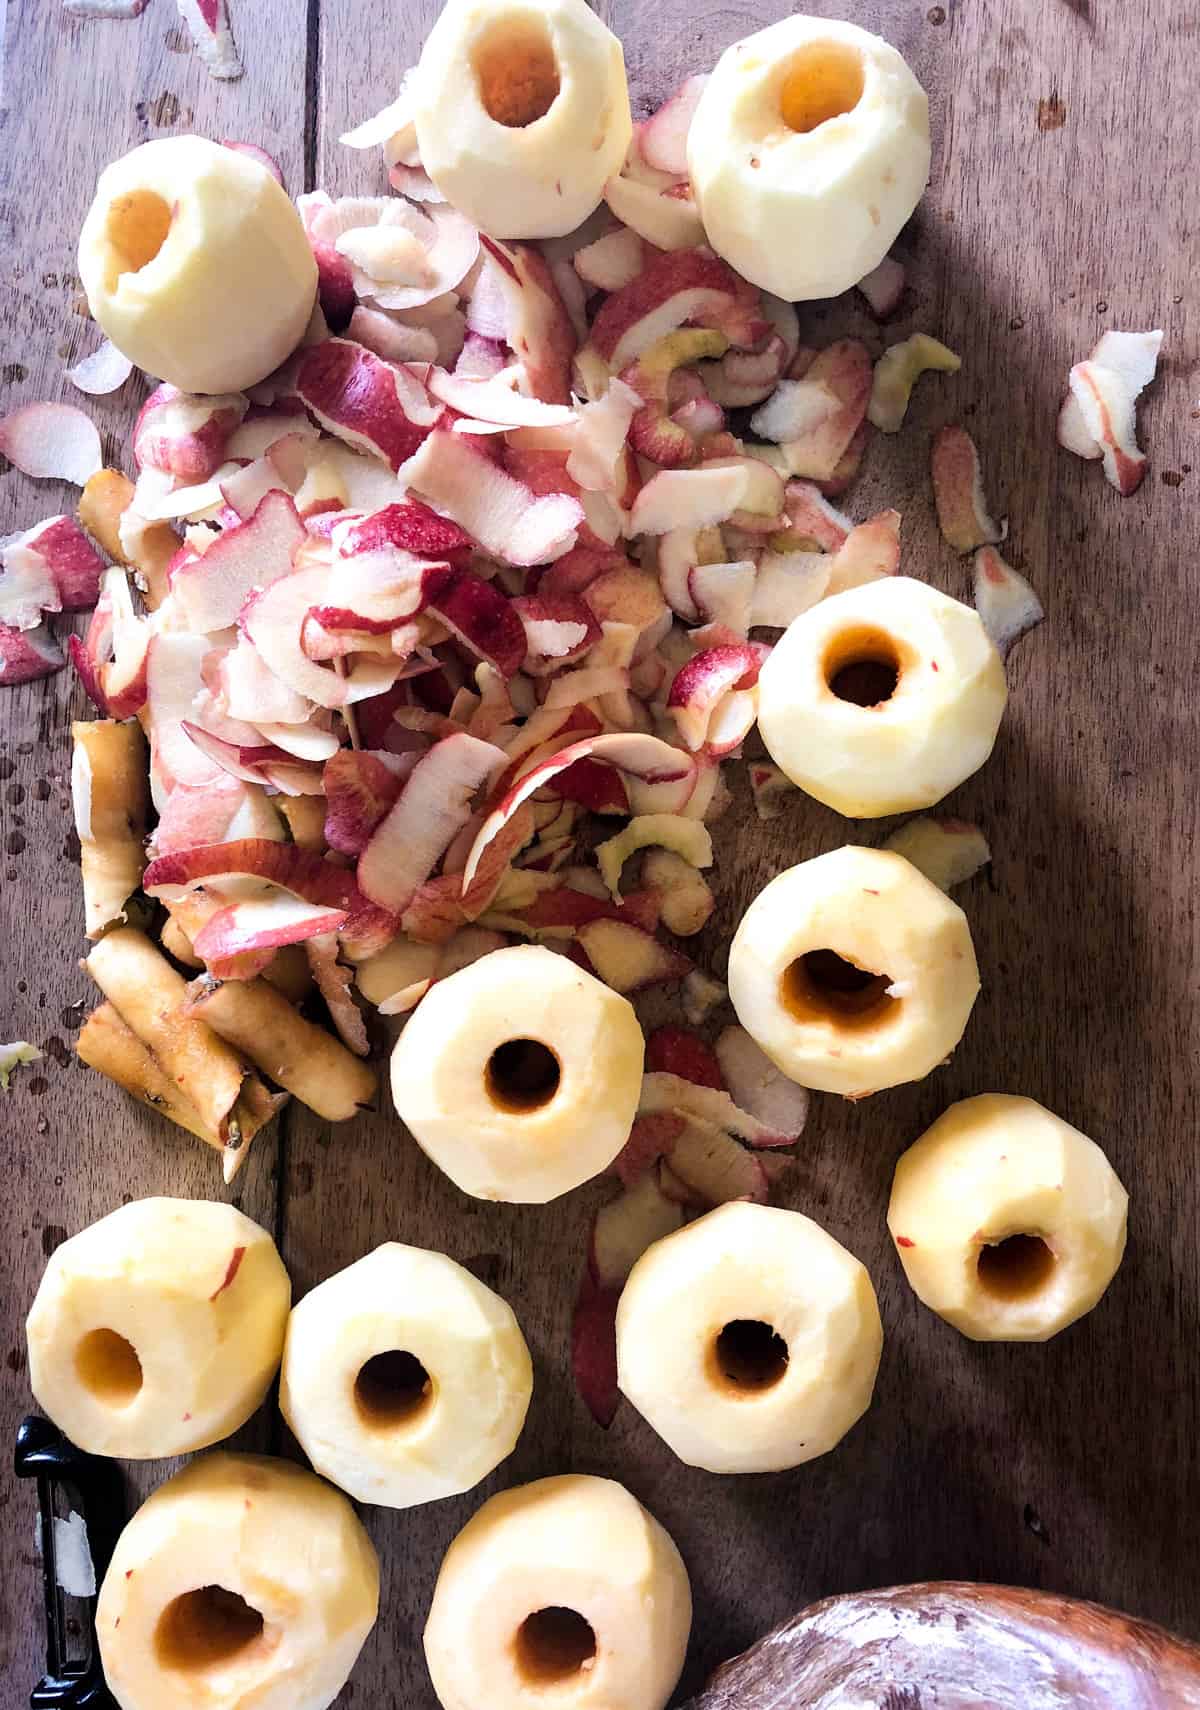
<point x="105" y="1043"/>
<point x="957" y="1644"/>
<point x="109" y="787"/>
<point x="149" y="995"/>
<point x="310" y="1063"/>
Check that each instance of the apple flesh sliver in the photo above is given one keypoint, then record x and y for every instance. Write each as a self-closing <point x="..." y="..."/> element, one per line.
<point x="1108" y="411"/>
<point x="208" y="22"/>
<point x="493" y="401"/>
<point x="685" y="900"/>
<point x="688" y="498"/>
<point x="724" y="595"/>
<point x="962" y="511"/>
<point x="662" y="139"/>
<point x="947" y="851"/>
<point x="869" y="552"/>
<point x="708" y="1105"/>
<point x="646" y="757"/>
<point x="257" y="924"/>
<point x="612" y="261"/>
<point x="813" y="518"/>
<point x="1007" y="605"/>
<point x="668" y="222"/>
<point x="795" y="408"/>
<point x="787" y="584"/>
<point x="844" y="370"/>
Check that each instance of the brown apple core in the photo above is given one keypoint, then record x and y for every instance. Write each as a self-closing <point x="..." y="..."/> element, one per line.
<point x="205" y="1629"/>
<point x="138" y="223"/>
<point x="522" y="1074"/>
<point x="750" y="1356"/>
<point x="863" y="666"/>
<point x="823" y="81"/>
<point x="553" y="1644"/>
<point x="823" y="986"/>
<point x="1015" y="1268"/>
<point x="108" y="1368"/>
<point x="392" y="1389"/>
<point x="517" y="72"/>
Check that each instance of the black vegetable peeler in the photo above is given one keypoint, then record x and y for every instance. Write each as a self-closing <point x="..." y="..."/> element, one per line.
<point x="95" y="1490"/>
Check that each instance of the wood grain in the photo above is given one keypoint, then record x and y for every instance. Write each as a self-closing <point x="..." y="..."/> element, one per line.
<point x="1071" y="1467"/>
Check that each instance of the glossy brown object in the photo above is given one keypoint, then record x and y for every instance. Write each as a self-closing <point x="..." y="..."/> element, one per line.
<point x="954" y="1646"/>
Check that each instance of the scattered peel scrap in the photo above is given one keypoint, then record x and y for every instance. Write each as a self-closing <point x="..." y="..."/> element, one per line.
<point x="1098" y="417"/>
<point x="54" y="442"/>
<point x="208" y="24"/>
<point x="105" y="369"/>
<point x="12" y="1056"/>
<point x="897" y="372"/>
<point x="947" y="851"/>
<point x="883" y="288"/>
<point x="962" y="510"/>
<point x="1007" y="605"/>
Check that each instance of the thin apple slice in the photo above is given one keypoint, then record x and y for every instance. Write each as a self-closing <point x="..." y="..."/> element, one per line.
<point x="650" y="1139"/>
<point x="708" y="1105"/>
<point x="102" y="372"/>
<point x="433" y="805"/>
<point x="770" y="787"/>
<point x="690" y="285"/>
<point x="787" y="584"/>
<point x="211" y="590"/>
<point x="883" y="287"/>
<point x="702" y="683"/>
<point x="668" y="219"/>
<point x="757" y="1086"/>
<point x="642" y="756"/>
<point x="794" y="409"/>
<point x="713" y="1169"/>
<point x="626" y="1226"/>
<point x="628" y="959"/>
<point x="594" y="1350"/>
<point x="686" y="838"/>
<point x="897" y="372"/>
<point x="686" y="900"/>
<point x="676" y="1051"/>
<point x="813" y="517"/>
<point x="27" y="654"/>
<point x="962" y="510"/>
<point x="357" y="396"/>
<point x="947" y="851"/>
<point x="1007" y="605"/>
<point x="537" y="326"/>
<point x="184" y="435"/>
<point x="869" y="552"/>
<point x="495" y="508"/>
<point x="56" y="442"/>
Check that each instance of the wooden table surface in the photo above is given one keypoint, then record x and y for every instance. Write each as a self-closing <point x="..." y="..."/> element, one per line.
<point x="1063" y="201"/>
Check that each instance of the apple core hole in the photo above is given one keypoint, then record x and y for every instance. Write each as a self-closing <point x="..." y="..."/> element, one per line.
<point x="554" y="1644"/>
<point x="523" y="1074"/>
<point x="822" y="82"/>
<point x="1016" y="1268"/>
<point x="750" y="1356"/>
<point x="517" y="72"/>
<point x="138" y="223"/>
<point x="392" y="1389"/>
<point x="206" y="1629"/>
<point x="108" y="1368"/>
<point x="863" y="667"/>
<point x="821" y="985"/>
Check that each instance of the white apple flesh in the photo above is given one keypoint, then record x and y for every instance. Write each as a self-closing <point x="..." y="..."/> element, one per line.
<point x="242" y="1580"/>
<point x="522" y="113"/>
<point x="561" y="1592"/>
<point x="1010" y="1224"/>
<point x="405" y="1378"/>
<point x="853" y="972"/>
<point x="808" y="151"/>
<point x="196" y="264"/>
<point x="749" y="1340"/>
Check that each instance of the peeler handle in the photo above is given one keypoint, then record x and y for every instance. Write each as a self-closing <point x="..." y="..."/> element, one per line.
<point x="95" y="1489"/>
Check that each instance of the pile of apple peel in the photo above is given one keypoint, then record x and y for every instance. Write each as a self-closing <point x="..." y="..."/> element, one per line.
<point x="379" y="644"/>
